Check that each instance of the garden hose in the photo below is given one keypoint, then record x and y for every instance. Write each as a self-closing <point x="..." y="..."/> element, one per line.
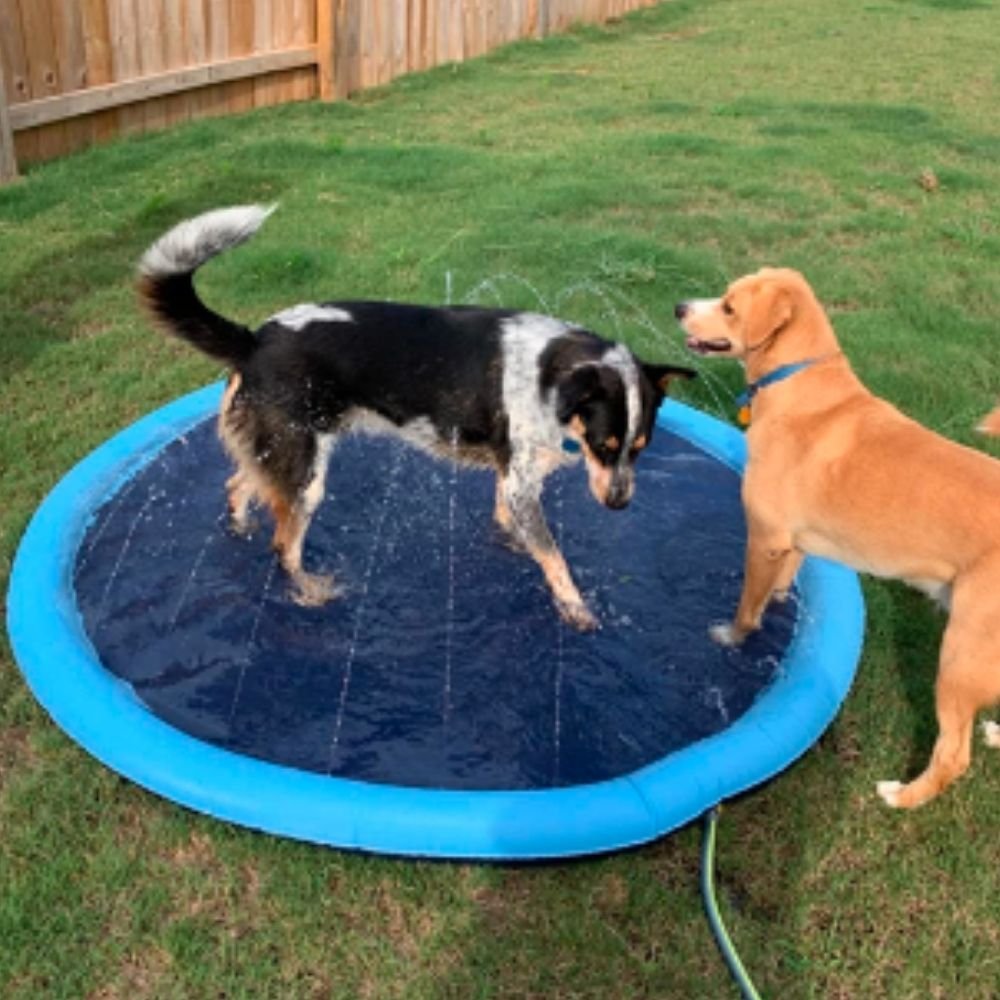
<point x="722" y="938"/>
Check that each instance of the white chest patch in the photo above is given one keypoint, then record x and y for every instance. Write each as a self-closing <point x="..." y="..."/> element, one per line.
<point x="300" y="316"/>
<point x="531" y="419"/>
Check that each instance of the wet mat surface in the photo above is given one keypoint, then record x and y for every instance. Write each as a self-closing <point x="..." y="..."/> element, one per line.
<point x="444" y="663"/>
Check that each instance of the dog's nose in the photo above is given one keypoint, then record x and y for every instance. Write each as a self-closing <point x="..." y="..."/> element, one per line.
<point x="681" y="310"/>
<point x="619" y="495"/>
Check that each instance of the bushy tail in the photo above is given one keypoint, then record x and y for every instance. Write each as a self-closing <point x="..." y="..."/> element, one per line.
<point x="991" y="424"/>
<point x="166" y="287"/>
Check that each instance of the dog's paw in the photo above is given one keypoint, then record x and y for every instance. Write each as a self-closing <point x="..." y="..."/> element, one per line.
<point x="579" y="616"/>
<point x="726" y="634"/>
<point x="313" y="590"/>
<point x="991" y="734"/>
<point x="889" y="791"/>
<point x="243" y="526"/>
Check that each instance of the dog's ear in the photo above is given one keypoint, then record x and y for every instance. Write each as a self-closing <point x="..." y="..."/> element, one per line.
<point x="660" y="376"/>
<point x="770" y="311"/>
<point x="580" y="387"/>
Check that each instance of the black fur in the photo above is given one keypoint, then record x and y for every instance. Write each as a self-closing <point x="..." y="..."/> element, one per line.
<point x="487" y="386"/>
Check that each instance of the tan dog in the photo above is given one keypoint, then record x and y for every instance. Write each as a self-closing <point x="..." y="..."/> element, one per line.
<point x="836" y="472"/>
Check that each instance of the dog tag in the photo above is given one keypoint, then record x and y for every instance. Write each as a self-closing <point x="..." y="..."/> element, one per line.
<point x="744" y="416"/>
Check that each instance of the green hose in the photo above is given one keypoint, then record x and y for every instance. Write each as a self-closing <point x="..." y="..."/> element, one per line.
<point x="722" y="939"/>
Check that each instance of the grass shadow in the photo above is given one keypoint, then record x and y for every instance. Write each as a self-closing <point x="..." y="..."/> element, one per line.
<point x="37" y="301"/>
<point x="947" y="4"/>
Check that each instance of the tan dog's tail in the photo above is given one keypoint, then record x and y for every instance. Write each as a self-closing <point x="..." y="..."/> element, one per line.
<point x="991" y="423"/>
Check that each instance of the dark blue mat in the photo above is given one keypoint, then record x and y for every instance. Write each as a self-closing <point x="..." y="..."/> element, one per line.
<point x="444" y="664"/>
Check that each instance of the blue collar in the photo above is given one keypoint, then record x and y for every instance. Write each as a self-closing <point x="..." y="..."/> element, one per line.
<point x="778" y="375"/>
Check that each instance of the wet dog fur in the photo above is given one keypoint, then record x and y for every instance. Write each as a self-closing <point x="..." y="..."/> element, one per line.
<point x="490" y="387"/>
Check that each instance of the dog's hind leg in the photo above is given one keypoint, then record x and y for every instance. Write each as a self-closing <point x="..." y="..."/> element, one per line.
<point x="239" y="493"/>
<point x="283" y="463"/>
<point x="301" y="467"/>
<point x="968" y="681"/>
<point x="240" y="490"/>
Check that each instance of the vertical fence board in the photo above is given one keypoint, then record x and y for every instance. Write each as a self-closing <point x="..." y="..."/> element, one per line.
<point x="71" y="58"/>
<point x="39" y="49"/>
<point x="178" y="107"/>
<point x="354" y="17"/>
<point x="14" y="66"/>
<point x="216" y="99"/>
<point x="286" y="30"/>
<point x="267" y="90"/>
<point x="456" y="33"/>
<point x="367" y="58"/>
<point x="122" y="19"/>
<point x="400" y="38"/>
<point x="303" y="33"/>
<point x="12" y="57"/>
<point x="342" y="19"/>
<point x="8" y="155"/>
<point x="97" y="54"/>
<point x="241" y="18"/>
<point x="194" y="50"/>
<point x="468" y="29"/>
<point x="149" y="18"/>
<point x="326" y="81"/>
<point x="43" y="70"/>
<point x="416" y="23"/>
<point x="383" y="40"/>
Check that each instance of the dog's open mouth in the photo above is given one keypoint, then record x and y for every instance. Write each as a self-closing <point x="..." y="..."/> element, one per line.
<point x="714" y="346"/>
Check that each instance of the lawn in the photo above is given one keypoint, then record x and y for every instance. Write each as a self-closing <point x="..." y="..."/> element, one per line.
<point x="602" y="175"/>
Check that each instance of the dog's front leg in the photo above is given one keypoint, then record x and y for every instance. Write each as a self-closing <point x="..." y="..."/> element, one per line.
<point x="789" y="570"/>
<point x="771" y="564"/>
<point x="520" y="491"/>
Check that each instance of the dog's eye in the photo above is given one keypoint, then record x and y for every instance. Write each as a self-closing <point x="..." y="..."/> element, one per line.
<point x="727" y="307"/>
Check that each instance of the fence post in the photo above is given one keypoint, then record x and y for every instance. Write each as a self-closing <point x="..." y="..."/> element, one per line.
<point x="326" y="49"/>
<point x="8" y="155"/>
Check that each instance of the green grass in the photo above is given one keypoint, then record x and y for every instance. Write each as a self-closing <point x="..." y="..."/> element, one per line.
<point x="602" y="175"/>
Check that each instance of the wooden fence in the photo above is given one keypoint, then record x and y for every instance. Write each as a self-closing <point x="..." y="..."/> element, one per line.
<point x="75" y="72"/>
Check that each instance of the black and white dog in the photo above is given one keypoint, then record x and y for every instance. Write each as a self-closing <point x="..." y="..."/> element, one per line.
<point x="489" y="387"/>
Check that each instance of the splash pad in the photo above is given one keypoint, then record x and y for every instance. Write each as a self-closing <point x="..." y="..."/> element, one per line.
<point x="439" y="708"/>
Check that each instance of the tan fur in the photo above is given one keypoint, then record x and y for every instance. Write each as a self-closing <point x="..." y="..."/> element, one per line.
<point x="837" y="472"/>
<point x="991" y="423"/>
<point x="598" y="476"/>
<point x="567" y="597"/>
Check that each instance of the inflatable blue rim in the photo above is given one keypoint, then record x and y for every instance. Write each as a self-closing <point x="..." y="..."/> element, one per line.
<point x="103" y="715"/>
